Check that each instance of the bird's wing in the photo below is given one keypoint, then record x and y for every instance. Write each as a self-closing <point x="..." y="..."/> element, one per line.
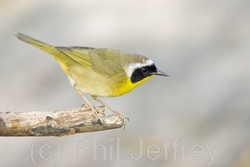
<point x="104" y="61"/>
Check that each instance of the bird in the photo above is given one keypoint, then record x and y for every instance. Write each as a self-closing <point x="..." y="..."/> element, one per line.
<point x="99" y="72"/>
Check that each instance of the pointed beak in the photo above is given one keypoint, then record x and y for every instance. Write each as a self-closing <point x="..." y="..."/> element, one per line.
<point x="161" y="73"/>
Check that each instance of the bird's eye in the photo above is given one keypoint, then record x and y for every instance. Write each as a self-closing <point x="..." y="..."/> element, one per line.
<point x="144" y="70"/>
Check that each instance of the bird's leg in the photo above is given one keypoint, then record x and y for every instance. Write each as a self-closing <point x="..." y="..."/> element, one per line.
<point x="89" y="104"/>
<point x="110" y="108"/>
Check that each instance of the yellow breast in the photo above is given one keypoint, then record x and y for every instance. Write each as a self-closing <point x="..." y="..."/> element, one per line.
<point x="96" y="84"/>
<point x="125" y="87"/>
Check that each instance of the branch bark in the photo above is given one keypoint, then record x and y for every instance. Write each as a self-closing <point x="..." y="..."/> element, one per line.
<point x="57" y="123"/>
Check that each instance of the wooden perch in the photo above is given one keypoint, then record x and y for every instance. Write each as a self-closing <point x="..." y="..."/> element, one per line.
<point x="56" y="123"/>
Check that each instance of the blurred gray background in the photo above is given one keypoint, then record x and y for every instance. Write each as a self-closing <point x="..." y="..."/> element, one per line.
<point x="203" y="45"/>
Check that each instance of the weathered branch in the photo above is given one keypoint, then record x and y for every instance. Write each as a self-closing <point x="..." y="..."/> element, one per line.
<point x="56" y="123"/>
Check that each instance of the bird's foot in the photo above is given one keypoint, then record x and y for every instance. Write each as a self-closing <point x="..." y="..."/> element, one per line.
<point x="96" y="113"/>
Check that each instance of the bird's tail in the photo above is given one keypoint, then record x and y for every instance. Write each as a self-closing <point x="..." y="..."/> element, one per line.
<point x="51" y="50"/>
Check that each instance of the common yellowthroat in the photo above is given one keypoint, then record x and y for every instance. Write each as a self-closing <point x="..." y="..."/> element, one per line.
<point x="100" y="72"/>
